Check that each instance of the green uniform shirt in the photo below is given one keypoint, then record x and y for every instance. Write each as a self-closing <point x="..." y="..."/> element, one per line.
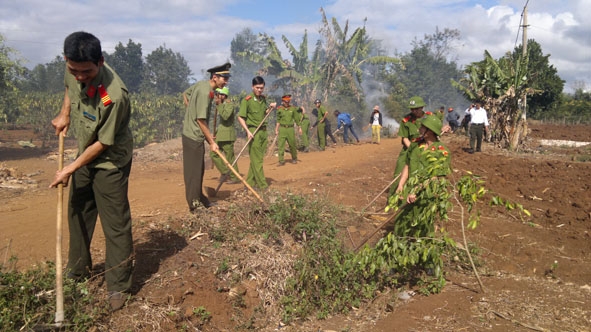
<point x="286" y="116"/>
<point x="200" y="106"/>
<point x="226" y="131"/>
<point x="300" y="116"/>
<point x="189" y="91"/>
<point x="321" y="112"/>
<point x="100" y="111"/>
<point x="409" y="128"/>
<point x="252" y="109"/>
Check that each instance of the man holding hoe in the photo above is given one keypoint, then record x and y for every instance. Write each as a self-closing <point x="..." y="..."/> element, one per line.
<point x="97" y="102"/>
<point x="196" y="131"/>
<point x="252" y="117"/>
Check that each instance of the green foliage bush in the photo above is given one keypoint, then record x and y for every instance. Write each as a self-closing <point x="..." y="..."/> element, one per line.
<point x="154" y="118"/>
<point x="27" y="301"/>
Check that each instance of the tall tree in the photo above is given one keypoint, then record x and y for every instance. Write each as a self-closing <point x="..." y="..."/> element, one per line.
<point x="542" y="76"/>
<point x="426" y="71"/>
<point x="500" y="85"/>
<point x="165" y="72"/>
<point x="45" y="78"/>
<point x="246" y="53"/>
<point x="128" y="63"/>
<point x="10" y="71"/>
<point x="440" y="44"/>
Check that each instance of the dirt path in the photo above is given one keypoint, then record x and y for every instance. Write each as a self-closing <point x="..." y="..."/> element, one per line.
<point x="518" y="254"/>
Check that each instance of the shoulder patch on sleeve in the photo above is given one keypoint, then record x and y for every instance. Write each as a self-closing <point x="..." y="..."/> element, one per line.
<point x="104" y="95"/>
<point x="429" y="113"/>
<point x="248" y="97"/>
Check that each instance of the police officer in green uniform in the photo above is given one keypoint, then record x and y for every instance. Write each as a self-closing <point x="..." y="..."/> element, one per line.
<point x="225" y="136"/>
<point x="322" y="113"/>
<point x="253" y="110"/>
<point x="286" y="119"/>
<point x="196" y="131"/>
<point x="426" y="150"/>
<point x="96" y="105"/>
<point x="303" y="121"/>
<point x="409" y="133"/>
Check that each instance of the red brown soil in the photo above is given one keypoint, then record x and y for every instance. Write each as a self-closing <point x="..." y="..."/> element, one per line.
<point x="536" y="270"/>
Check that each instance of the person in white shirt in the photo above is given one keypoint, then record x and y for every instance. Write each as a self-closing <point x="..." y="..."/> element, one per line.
<point x="478" y="126"/>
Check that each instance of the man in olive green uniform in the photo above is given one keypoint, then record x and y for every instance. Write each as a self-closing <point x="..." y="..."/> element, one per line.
<point x="97" y="102"/>
<point x="187" y="95"/>
<point x="409" y="133"/>
<point x="253" y="112"/>
<point x="321" y="124"/>
<point x="225" y="135"/>
<point x="303" y="121"/>
<point x="427" y="150"/>
<point x="196" y="131"/>
<point x="286" y="119"/>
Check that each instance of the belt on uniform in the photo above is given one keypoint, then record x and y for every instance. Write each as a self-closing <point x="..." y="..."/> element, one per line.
<point x="286" y="126"/>
<point x="478" y="124"/>
<point x="254" y="127"/>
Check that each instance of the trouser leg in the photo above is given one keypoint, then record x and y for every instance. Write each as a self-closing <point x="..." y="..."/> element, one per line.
<point x="321" y="136"/>
<point x="82" y="214"/>
<point x="346" y="133"/>
<point x="479" y="138"/>
<point x="472" y="137"/>
<point x="291" y="141"/>
<point x="354" y="134"/>
<point x="193" y="170"/>
<point x="111" y="188"/>
<point x="281" y="144"/>
<point x="257" y="148"/>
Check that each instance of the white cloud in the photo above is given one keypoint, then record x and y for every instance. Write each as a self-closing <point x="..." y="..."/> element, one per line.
<point x="202" y="31"/>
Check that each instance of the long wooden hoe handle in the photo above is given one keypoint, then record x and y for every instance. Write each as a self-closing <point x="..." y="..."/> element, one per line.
<point x="59" y="288"/>
<point x="238" y="175"/>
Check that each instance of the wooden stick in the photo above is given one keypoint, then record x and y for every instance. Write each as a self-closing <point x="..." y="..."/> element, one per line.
<point x="381" y="192"/>
<point x="240" y="153"/>
<point x="380" y="227"/>
<point x="238" y="175"/>
<point x="59" y="286"/>
<point x="272" y="146"/>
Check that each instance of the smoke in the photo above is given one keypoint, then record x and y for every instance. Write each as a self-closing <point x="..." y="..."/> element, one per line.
<point x="375" y="92"/>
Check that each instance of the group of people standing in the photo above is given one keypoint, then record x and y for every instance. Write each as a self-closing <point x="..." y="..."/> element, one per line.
<point x="96" y="104"/>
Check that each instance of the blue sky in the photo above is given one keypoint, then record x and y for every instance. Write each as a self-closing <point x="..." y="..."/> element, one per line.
<point x="202" y="30"/>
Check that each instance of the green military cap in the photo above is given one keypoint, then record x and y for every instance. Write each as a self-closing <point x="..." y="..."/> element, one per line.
<point x="223" y="91"/>
<point x="416" y="102"/>
<point x="223" y="70"/>
<point x="432" y="123"/>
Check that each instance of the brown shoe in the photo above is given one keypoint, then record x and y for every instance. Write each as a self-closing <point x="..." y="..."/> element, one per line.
<point x="117" y="300"/>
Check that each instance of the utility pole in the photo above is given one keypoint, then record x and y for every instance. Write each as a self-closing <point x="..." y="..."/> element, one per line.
<point x="524" y="55"/>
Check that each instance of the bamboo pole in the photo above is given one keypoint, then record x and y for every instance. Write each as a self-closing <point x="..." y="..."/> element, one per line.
<point x="59" y="288"/>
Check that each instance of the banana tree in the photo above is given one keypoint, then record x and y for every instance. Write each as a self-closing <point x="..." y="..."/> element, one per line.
<point x="343" y="57"/>
<point x="501" y="86"/>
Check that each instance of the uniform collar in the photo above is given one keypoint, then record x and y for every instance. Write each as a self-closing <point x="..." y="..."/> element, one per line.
<point x="91" y="88"/>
